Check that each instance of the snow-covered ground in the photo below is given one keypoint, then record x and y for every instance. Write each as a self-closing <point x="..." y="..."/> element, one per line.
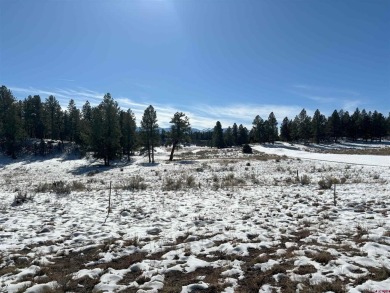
<point x="304" y="152"/>
<point x="211" y="221"/>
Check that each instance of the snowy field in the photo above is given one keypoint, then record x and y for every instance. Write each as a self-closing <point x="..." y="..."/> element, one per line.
<point x="211" y="221"/>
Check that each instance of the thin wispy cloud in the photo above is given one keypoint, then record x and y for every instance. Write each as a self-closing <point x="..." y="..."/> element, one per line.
<point x="330" y="98"/>
<point x="328" y="90"/>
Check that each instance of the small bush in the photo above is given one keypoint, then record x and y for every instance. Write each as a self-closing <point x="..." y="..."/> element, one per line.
<point x="78" y="186"/>
<point x="171" y="184"/>
<point x="323" y="257"/>
<point x="21" y="198"/>
<point x="58" y="187"/>
<point x="246" y="149"/>
<point x="190" y="181"/>
<point x="305" y="180"/>
<point x="135" y="183"/>
<point x="326" y="183"/>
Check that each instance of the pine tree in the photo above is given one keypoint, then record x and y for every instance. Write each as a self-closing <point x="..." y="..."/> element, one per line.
<point x="53" y="115"/>
<point x="355" y="125"/>
<point x="149" y="129"/>
<point x="180" y="130"/>
<point x="235" y="134"/>
<point x="318" y="126"/>
<point x="243" y="135"/>
<point x="334" y="125"/>
<point x="273" y="128"/>
<point x="10" y="123"/>
<point x="33" y="117"/>
<point x="285" y="129"/>
<point x="74" y="122"/>
<point x="228" y="137"/>
<point x="106" y="130"/>
<point x="258" y="129"/>
<point x="128" y="132"/>
<point x="85" y="126"/>
<point x="365" y="125"/>
<point x="344" y="123"/>
<point x="218" y="136"/>
<point x="378" y="126"/>
<point x="304" y="127"/>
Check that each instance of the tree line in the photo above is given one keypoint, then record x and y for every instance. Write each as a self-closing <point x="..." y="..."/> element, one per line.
<point x="110" y="132"/>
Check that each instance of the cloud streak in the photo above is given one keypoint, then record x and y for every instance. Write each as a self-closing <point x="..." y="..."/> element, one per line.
<point x="344" y="99"/>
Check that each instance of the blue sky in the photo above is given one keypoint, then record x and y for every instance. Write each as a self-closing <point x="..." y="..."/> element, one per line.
<point x="214" y="60"/>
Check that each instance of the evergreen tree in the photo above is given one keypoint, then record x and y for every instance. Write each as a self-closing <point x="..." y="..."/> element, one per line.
<point x="365" y="125"/>
<point x="334" y="125"/>
<point x="218" y="136"/>
<point x="295" y="129"/>
<point x="85" y="125"/>
<point x="53" y="115"/>
<point x="344" y="123"/>
<point x="10" y="122"/>
<point x="180" y="130"/>
<point x="243" y="135"/>
<point x="378" y="129"/>
<point x="258" y="130"/>
<point x="128" y="132"/>
<point x="355" y="125"/>
<point x="285" y="129"/>
<point x="106" y="130"/>
<point x="74" y="121"/>
<point x="228" y="137"/>
<point x="235" y="134"/>
<point x="33" y="117"/>
<point x="318" y="126"/>
<point x="273" y="128"/>
<point x="149" y="128"/>
<point x="304" y="127"/>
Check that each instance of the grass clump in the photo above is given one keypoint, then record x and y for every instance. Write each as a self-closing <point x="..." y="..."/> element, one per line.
<point x="305" y="180"/>
<point x="21" y="198"/>
<point x="327" y="182"/>
<point x="172" y="184"/>
<point x="60" y="187"/>
<point x="135" y="183"/>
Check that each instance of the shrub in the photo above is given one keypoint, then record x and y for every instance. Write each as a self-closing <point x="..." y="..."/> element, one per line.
<point x="190" y="181"/>
<point x="21" y="198"/>
<point x="305" y="180"/>
<point x="135" y="183"/>
<point x="58" y="187"/>
<point x="326" y="183"/>
<point x="78" y="186"/>
<point x="246" y="149"/>
<point x="171" y="184"/>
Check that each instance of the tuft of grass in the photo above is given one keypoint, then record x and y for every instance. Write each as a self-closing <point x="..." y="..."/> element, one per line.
<point x="21" y="198"/>
<point x="135" y="183"/>
<point x="323" y="257"/>
<point x="327" y="182"/>
<point x="172" y="184"/>
<point x="305" y="180"/>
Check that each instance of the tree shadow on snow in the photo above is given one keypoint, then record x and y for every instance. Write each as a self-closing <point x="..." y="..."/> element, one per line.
<point x="149" y="164"/>
<point x="280" y="146"/>
<point x="186" y="162"/>
<point x="95" y="168"/>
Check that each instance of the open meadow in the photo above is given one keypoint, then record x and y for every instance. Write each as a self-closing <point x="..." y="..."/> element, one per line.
<point x="287" y="218"/>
